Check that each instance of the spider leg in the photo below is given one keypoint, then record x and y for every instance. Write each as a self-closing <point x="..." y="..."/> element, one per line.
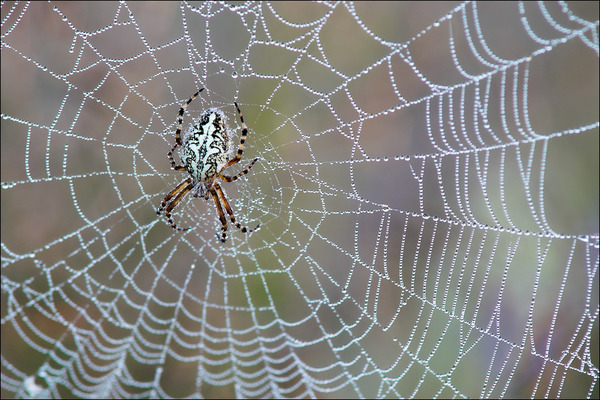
<point x="217" y="187"/>
<point x="172" y="193"/>
<point x="180" y="118"/>
<point x="221" y="215"/>
<point x="173" y="164"/>
<point x="238" y="156"/>
<point x="233" y="178"/>
<point x="178" y="132"/>
<point x="176" y="201"/>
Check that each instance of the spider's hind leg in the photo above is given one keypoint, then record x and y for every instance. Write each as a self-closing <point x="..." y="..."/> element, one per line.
<point x="240" y="151"/>
<point x="173" y="163"/>
<point x="178" y="132"/>
<point x="244" y="172"/>
<point x="180" y="117"/>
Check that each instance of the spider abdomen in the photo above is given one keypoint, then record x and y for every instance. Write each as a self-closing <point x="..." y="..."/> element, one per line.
<point x="205" y="146"/>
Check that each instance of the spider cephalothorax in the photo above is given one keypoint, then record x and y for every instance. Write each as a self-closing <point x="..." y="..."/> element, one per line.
<point x="204" y="152"/>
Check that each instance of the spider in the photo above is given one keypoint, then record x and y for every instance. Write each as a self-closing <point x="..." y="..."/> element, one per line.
<point x="204" y="152"/>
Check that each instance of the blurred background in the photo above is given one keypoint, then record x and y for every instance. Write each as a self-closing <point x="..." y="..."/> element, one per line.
<point x="427" y="193"/>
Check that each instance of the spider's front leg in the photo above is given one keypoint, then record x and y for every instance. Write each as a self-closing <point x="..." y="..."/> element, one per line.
<point x="220" y="211"/>
<point x="173" y="198"/>
<point x="223" y="199"/>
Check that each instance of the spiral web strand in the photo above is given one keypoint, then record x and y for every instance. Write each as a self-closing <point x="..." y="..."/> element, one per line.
<point x="426" y="189"/>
